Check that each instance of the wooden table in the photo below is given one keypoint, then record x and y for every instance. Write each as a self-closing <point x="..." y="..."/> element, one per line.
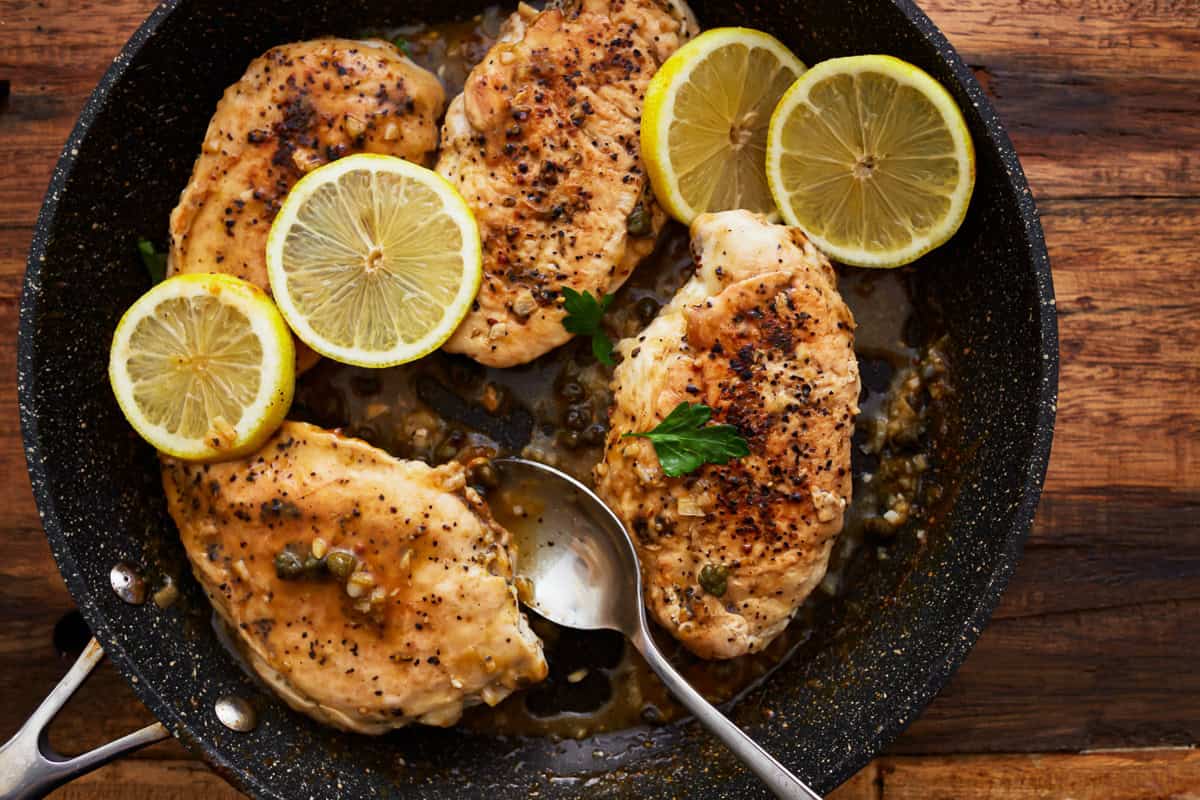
<point x="1087" y="682"/>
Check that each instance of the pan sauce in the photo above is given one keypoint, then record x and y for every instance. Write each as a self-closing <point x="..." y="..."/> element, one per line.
<point x="554" y="410"/>
<point x="447" y="407"/>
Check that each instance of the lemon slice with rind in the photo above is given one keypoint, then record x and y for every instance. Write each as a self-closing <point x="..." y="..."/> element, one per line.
<point x="872" y="159"/>
<point x="704" y="123"/>
<point x="203" y="367"/>
<point x="374" y="261"/>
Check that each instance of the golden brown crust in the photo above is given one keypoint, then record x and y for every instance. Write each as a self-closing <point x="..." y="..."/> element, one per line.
<point x="297" y="107"/>
<point x="543" y="143"/>
<point x="436" y="626"/>
<point x="762" y="337"/>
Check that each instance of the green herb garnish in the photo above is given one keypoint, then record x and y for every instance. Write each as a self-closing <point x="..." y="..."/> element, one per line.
<point x="583" y="318"/>
<point x="684" y="441"/>
<point x="154" y="261"/>
<point x="403" y="46"/>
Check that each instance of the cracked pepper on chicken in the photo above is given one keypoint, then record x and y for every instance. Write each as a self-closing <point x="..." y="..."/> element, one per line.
<point x="298" y="106"/>
<point x="761" y="335"/>
<point x="368" y="592"/>
<point x="371" y="592"/>
<point x="543" y="145"/>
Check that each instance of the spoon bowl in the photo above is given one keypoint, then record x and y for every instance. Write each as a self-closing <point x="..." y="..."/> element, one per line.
<point x="581" y="571"/>
<point x="573" y="550"/>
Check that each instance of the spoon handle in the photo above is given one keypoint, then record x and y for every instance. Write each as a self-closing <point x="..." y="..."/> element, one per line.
<point x="776" y="777"/>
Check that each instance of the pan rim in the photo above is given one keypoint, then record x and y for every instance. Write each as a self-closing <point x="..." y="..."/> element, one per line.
<point x="955" y="647"/>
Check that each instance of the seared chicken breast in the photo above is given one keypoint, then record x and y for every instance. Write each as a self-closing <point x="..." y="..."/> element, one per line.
<point x="543" y="144"/>
<point x="761" y="335"/>
<point x="410" y="616"/>
<point x="297" y="107"/>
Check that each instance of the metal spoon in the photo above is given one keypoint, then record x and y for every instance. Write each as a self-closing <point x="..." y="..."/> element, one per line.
<point x="585" y="574"/>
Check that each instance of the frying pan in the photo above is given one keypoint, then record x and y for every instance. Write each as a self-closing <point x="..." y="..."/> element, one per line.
<point x="882" y="651"/>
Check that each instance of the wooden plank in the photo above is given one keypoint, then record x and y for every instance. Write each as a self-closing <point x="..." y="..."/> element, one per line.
<point x="1104" y="548"/>
<point x="1155" y="38"/>
<point x="1114" y="677"/>
<point x="139" y="779"/>
<point x="31" y="664"/>
<point x="1129" y="775"/>
<point x="52" y="60"/>
<point x="1097" y="95"/>
<point x="862" y="786"/>
<point x="1129" y="324"/>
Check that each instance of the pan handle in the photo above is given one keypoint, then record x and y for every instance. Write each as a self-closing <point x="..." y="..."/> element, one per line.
<point x="29" y="769"/>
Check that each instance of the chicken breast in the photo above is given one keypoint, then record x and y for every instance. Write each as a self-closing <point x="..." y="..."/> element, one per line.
<point x="297" y="107"/>
<point x="761" y="335"/>
<point x="543" y="144"/>
<point x="427" y="622"/>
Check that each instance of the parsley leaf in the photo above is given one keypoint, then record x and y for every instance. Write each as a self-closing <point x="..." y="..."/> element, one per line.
<point x="583" y="318"/>
<point x="154" y="261"/>
<point x="684" y="441"/>
<point x="403" y="46"/>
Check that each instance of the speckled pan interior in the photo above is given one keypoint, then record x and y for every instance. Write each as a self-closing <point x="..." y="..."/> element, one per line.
<point x="884" y="652"/>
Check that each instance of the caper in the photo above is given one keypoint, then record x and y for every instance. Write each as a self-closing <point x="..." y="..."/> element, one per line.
<point x="595" y="433"/>
<point x="714" y="579"/>
<point x="569" y="439"/>
<point x="365" y="385"/>
<point x="639" y="223"/>
<point x="483" y="473"/>
<point x="646" y="309"/>
<point x="341" y="563"/>
<point x="446" y="451"/>
<point x="651" y="715"/>
<point x="313" y="565"/>
<point x="571" y="391"/>
<point x="288" y="565"/>
<point x="578" y="417"/>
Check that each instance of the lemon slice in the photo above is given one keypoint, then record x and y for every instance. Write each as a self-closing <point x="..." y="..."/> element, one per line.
<point x="374" y="261"/>
<point x="871" y="157"/>
<point x="704" y="125"/>
<point x="203" y="367"/>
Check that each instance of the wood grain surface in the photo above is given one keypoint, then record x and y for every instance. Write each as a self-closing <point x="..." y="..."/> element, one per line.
<point x="1096" y="641"/>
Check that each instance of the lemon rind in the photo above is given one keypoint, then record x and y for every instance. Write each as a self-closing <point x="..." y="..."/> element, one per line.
<point x="661" y="95"/>
<point x="277" y="373"/>
<point x="916" y="78"/>
<point x="458" y="308"/>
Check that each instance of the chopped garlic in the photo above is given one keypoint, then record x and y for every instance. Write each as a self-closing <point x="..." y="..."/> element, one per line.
<point x="241" y="569"/>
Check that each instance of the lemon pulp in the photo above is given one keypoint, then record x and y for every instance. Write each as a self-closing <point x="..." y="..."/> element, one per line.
<point x="704" y="127"/>
<point x="374" y="261"/>
<point x="871" y="157"/>
<point x="202" y="366"/>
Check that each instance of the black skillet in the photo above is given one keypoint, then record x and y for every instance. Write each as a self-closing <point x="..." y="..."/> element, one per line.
<point x="884" y="650"/>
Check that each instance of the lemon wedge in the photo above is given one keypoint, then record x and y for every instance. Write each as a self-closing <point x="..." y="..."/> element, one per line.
<point x="203" y="367"/>
<point x="374" y="261"/>
<point x="872" y="159"/>
<point x="704" y="124"/>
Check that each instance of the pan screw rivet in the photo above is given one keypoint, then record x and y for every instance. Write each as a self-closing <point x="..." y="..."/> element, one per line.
<point x="128" y="583"/>
<point x="236" y="714"/>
